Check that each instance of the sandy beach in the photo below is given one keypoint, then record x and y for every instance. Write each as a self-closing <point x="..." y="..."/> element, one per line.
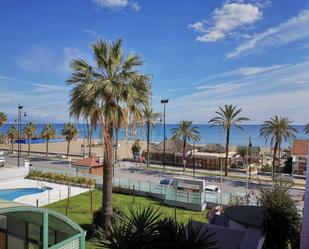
<point x="76" y="148"/>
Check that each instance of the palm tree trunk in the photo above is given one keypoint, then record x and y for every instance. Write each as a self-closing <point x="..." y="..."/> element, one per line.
<point x="68" y="149"/>
<point x="116" y="146"/>
<point x="90" y="142"/>
<point x="107" y="205"/>
<point x="12" y="145"/>
<point x="184" y="153"/>
<point x="29" y="144"/>
<point x="274" y="159"/>
<point x="227" y="150"/>
<point x="148" y="141"/>
<point x="46" y="147"/>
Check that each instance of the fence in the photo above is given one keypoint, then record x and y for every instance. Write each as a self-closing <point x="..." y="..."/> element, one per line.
<point x="163" y="191"/>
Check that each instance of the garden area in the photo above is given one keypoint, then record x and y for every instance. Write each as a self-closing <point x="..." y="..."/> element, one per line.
<point x="80" y="206"/>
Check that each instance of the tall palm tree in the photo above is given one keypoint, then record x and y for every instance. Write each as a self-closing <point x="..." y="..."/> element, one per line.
<point x="48" y="133"/>
<point x="70" y="132"/>
<point x="150" y="118"/>
<point x="107" y="89"/>
<point x="307" y="128"/>
<point x="29" y="132"/>
<point x="12" y="135"/>
<point x="228" y="116"/>
<point x="277" y="129"/>
<point x="3" y="119"/>
<point x="185" y="132"/>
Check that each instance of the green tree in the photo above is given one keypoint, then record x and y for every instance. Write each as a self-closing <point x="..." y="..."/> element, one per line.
<point x="12" y="135"/>
<point x="185" y="132"/>
<point x="150" y="118"/>
<point x="277" y="129"/>
<point x="70" y="132"/>
<point x="108" y="88"/>
<point x="3" y="119"/>
<point x="307" y="128"/>
<point x="29" y="132"/>
<point x="228" y="116"/>
<point x="281" y="221"/>
<point x="48" y="133"/>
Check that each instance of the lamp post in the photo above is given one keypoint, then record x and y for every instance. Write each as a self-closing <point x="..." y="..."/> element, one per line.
<point x="164" y="102"/>
<point x="20" y="113"/>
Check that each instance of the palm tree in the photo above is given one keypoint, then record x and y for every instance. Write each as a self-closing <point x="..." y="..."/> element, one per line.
<point x="12" y="135"/>
<point x="107" y="89"/>
<point x="3" y="119"/>
<point x="70" y="132"/>
<point x="29" y="132"/>
<point x="228" y="116"/>
<point x="277" y="129"/>
<point x="150" y="118"/>
<point x="307" y="128"/>
<point x="185" y="132"/>
<point x="48" y="133"/>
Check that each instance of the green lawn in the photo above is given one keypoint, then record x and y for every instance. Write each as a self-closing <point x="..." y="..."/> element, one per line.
<point x="79" y="210"/>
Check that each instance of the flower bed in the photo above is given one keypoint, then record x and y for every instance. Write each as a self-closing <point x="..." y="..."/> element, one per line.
<point x="80" y="181"/>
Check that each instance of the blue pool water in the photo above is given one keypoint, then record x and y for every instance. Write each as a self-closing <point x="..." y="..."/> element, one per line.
<point x="12" y="194"/>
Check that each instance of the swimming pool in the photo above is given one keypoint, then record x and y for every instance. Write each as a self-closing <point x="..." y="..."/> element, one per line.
<point x="12" y="194"/>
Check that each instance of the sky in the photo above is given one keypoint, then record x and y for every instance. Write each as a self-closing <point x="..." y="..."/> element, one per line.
<point x="201" y="54"/>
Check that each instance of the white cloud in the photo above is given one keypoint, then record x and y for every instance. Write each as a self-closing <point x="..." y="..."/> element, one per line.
<point x="91" y="32"/>
<point x="281" y="91"/>
<point x="117" y="4"/>
<point x="227" y="19"/>
<point x="287" y="32"/>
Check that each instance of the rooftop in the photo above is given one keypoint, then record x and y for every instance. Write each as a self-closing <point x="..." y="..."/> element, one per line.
<point x="89" y="162"/>
<point x="245" y="215"/>
<point x="300" y="147"/>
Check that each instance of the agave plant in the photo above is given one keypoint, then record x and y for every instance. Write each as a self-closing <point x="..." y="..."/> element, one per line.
<point x="145" y="228"/>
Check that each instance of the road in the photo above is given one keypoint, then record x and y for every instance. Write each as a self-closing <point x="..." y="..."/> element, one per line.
<point x="134" y="171"/>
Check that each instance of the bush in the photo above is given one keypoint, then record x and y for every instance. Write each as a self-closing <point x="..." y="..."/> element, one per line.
<point x="281" y="221"/>
<point x="62" y="178"/>
<point x="266" y="168"/>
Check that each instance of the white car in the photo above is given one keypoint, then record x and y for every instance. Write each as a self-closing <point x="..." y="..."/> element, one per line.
<point x="212" y="188"/>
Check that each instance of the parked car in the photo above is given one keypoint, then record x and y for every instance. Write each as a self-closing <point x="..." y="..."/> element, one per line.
<point x="212" y="188"/>
<point x="167" y="181"/>
<point x="2" y="161"/>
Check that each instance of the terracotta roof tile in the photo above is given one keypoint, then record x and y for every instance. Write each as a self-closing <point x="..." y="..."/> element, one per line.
<point x="300" y="147"/>
<point x="88" y="162"/>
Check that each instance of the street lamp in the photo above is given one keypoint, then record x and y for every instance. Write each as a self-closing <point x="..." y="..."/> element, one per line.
<point x="20" y="113"/>
<point x="249" y="156"/>
<point x="164" y="102"/>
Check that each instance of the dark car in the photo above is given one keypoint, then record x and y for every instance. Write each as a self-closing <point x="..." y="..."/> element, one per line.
<point x="167" y="181"/>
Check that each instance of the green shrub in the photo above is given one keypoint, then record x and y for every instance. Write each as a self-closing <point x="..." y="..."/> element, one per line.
<point x="63" y="178"/>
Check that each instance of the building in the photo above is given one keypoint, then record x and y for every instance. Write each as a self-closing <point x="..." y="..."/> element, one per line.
<point x="23" y="226"/>
<point x="299" y="153"/>
<point x="211" y="156"/>
<point x="90" y="165"/>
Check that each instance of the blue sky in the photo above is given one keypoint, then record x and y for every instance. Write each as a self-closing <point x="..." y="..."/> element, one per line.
<point x="201" y="54"/>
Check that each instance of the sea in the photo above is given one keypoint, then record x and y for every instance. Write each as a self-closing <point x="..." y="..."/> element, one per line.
<point x="209" y="134"/>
